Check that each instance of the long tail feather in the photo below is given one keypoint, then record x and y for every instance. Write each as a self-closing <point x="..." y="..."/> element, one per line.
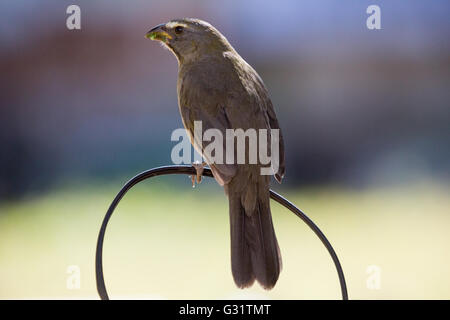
<point x="254" y="248"/>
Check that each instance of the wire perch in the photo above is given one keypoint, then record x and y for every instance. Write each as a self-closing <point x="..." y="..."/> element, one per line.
<point x="189" y="170"/>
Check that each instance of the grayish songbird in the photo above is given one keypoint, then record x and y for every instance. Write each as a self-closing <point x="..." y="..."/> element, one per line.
<point x="218" y="87"/>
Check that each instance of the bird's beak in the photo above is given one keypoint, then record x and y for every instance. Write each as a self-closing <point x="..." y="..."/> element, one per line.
<point x="158" y="33"/>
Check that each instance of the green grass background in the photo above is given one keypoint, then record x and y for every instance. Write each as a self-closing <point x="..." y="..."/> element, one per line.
<point x="174" y="243"/>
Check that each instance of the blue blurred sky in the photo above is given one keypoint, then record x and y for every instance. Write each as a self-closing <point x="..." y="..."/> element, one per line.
<point x="358" y="107"/>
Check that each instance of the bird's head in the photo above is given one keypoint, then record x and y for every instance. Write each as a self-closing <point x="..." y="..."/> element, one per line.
<point x="189" y="39"/>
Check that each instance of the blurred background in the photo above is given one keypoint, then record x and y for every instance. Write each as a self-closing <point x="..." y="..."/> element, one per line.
<point x="365" y="115"/>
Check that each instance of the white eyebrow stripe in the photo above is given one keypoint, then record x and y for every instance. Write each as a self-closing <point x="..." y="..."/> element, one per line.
<point x="174" y="24"/>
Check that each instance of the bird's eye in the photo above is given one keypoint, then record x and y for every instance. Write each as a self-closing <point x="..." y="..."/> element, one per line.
<point x="178" y="29"/>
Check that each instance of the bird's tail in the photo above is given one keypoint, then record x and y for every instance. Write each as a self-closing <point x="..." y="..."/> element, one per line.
<point x="254" y="247"/>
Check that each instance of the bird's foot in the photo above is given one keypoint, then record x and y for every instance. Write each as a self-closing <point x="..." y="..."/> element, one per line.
<point x="199" y="166"/>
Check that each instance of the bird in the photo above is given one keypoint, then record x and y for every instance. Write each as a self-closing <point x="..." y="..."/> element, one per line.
<point x="218" y="87"/>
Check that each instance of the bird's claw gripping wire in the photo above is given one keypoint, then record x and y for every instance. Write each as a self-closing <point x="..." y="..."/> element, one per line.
<point x="199" y="167"/>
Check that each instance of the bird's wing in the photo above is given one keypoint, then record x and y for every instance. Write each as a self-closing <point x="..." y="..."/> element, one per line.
<point x="260" y="107"/>
<point x="273" y="123"/>
<point x="226" y="95"/>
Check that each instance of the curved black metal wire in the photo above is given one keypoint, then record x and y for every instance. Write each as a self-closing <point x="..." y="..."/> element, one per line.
<point x="189" y="170"/>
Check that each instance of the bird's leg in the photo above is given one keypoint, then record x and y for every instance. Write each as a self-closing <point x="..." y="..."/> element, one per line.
<point x="199" y="166"/>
